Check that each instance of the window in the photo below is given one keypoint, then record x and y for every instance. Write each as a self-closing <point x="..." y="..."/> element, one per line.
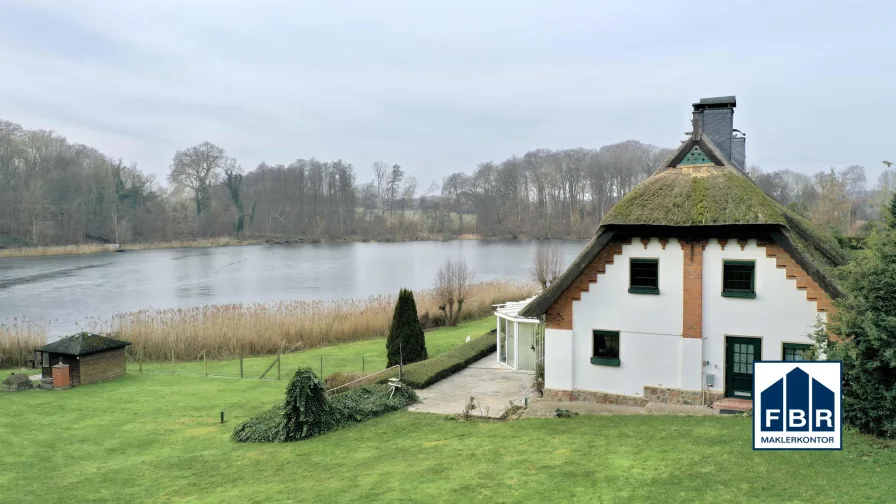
<point x="796" y="352"/>
<point x="738" y="279"/>
<point x="644" y="276"/>
<point x="606" y="348"/>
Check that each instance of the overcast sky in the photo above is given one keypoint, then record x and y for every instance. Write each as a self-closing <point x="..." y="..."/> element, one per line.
<point x="440" y="86"/>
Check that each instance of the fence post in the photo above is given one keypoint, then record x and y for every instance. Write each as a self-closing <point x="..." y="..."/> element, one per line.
<point x="278" y="366"/>
<point x="362" y="364"/>
<point x="204" y="361"/>
<point x="241" y="362"/>
<point x="321" y="367"/>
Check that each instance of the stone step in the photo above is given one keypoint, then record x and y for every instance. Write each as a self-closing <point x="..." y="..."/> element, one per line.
<point x="732" y="405"/>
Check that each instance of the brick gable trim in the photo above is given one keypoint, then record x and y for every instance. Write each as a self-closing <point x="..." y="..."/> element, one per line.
<point x="559" y="314"/>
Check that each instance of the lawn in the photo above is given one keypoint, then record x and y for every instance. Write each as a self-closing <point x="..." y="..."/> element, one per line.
<point x="369" y="354"/>
<point x="157" y="438"/>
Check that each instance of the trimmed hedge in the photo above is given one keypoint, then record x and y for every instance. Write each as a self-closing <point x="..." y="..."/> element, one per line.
<point x="425" y="373"/>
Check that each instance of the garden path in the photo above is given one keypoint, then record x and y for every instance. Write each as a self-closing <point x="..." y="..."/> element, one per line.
<point x="492" y="385"/>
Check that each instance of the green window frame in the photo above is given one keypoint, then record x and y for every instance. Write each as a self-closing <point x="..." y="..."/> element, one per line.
<point x="644" y="276"/>
<point x="794" y="351"/>
<point x="605" y="348"/>
<point x="739" y="279"/>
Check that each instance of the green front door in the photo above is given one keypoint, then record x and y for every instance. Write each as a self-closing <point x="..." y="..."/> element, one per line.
<point x="739" y="356"/>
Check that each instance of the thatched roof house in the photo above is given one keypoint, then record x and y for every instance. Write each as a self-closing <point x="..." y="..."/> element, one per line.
<point x="91" y="357"/>
<point x="698" y="192"/>
<point x="694" y="275"/>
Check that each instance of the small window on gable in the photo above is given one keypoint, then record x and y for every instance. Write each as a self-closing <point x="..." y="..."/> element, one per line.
<point x="796" y="352"/>
<point x="644" y="276"/>
<point x="739" y="279"/>
<point x="605" y="351"/>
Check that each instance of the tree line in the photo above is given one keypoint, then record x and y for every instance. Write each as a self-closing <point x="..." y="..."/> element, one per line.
<point x="53" y="191"/>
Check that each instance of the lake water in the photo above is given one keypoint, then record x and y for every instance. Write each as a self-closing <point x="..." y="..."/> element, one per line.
<point x="62" y="291"/>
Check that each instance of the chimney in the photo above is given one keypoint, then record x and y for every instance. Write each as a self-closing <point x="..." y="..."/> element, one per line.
<point x="739" y="150"/>
<point x="714" y="118"/>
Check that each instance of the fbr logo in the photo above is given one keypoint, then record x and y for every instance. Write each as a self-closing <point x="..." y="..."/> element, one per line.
<point x="797" y="406"/>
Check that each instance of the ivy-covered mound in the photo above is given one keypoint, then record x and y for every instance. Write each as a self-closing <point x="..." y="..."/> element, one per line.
<point x="307" y="412"/>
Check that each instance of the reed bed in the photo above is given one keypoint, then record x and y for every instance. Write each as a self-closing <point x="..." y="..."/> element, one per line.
<point x="94" y="248"/>
<point x="18" y="340"/>
<point x="56" y="250"/>
<point x="228" y="331"/>
<point x="224" y="241"/>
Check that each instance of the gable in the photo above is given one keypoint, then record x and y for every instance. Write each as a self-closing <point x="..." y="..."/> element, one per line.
<point x="695" y="156"/>
<point x="555" y="302"/>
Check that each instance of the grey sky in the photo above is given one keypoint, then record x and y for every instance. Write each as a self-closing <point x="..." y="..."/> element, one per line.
<point x="440" y="86"/>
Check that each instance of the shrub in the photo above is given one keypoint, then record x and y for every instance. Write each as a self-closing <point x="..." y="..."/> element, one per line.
<point x="865" y="320"/>
<point x="306" y="412"/>
<point x="406" y="342"/>
<point x="425" y="373"/>
<point x="364" y="403"/>
<point x="305" y="408"/>
<point x="538" y="382"/>
<point x="262" y="428"/>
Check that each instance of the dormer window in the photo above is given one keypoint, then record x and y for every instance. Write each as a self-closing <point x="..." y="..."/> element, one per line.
<point x="644" y="276"/>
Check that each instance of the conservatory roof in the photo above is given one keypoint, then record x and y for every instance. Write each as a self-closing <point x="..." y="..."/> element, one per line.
<point x="511" y="310"/>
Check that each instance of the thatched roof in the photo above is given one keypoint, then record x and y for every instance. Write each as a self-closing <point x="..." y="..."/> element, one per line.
<point x="696" y="190"/>
<point x="83" y="344"/>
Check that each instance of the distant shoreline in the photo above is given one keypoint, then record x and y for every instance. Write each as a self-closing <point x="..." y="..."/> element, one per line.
<point x="98" y="248"/>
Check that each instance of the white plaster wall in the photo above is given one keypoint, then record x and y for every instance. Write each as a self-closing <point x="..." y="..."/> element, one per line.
<point x="651" y="346"/>
<point x="780" y="313"/>
<point x="558" y="360"/>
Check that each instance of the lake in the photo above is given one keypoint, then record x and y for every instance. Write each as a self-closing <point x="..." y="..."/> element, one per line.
<point x="63" y="291"/>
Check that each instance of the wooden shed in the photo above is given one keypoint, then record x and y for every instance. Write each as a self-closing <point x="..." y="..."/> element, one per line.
<point x="90" y="358"/>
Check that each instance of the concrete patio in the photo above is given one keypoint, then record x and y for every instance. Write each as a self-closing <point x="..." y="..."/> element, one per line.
<point x="492" y="385"/>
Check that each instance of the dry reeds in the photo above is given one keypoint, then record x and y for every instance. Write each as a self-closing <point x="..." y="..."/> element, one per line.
<point x="224" y="241"/>
<point x="228" y="331"/>
<point x="18" y="341"/>
<point x="57" y="250"/>
<point x="94" y="248"/>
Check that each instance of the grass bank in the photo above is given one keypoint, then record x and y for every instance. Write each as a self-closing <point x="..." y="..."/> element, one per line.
<point x="227" y="331"/>
<point x="94" y="248"/>
<point x="150" y="438"/>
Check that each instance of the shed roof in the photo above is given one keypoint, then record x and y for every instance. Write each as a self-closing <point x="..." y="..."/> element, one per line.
<point x="83" y="343"/>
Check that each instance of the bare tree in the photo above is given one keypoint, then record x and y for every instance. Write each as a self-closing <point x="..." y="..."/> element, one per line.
<point x="546" y="267"/>
<point x="380" y="178"/>
<point x="452" y="286"/>
<point x="197" y="168"/>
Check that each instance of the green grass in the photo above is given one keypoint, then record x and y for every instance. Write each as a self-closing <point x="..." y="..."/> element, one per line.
<point x="345" y="357"/>
<point x="156" y="438"/>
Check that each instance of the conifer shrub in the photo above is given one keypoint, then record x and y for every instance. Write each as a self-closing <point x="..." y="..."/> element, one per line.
<point x="305" y="407"/>
<point x="406" y="342"/>
<point x="865" y="326"/>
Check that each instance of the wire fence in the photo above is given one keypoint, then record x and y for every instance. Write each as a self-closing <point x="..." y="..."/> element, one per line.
<point x="268" y="367"/>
